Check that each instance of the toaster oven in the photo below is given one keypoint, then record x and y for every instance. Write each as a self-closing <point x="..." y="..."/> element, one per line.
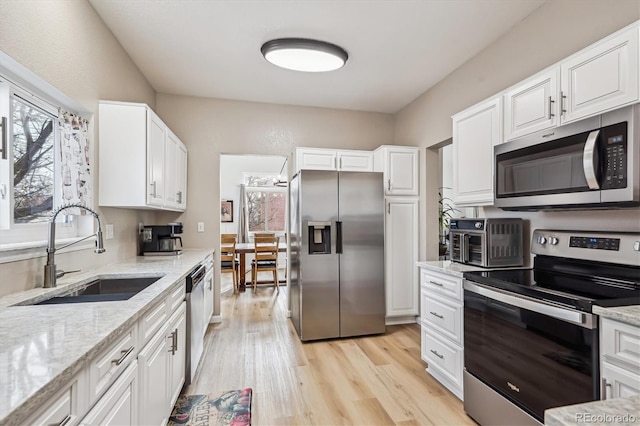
<point x="487" y="242"/>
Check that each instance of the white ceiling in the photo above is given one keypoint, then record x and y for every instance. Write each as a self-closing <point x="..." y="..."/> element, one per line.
<point x="397" y="48"/>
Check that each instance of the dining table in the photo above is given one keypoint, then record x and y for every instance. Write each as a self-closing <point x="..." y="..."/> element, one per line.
<point x="242" y="249"/>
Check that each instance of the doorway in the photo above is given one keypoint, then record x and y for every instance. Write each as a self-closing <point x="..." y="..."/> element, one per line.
<point x="253" y="194"/>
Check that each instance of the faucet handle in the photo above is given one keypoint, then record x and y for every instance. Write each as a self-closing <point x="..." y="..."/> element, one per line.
<point x="60" y="274"/>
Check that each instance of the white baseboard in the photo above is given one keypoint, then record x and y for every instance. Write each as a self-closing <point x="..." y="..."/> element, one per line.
<point x="409" y="319"/>
<point x="215" y="319"/>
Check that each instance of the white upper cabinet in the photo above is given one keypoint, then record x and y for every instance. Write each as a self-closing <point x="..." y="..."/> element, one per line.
<point x="157" y="133"/>
<point x="475" y="132"/>
<point x="355" y="161"/>
<point x="333" y="159"/>
<point x="316" y="159"/>
<point x="599" y="78"/>
<point x="532" y="105"/>
<point x="602" y="77"/>
<point x="399" y="165"/>
<point x="181" y="176"/>
<point x="142" y="162"/>
<point x="175" y="172"/>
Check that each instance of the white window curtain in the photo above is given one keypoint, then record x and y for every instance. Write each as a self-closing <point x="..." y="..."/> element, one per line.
<point x="74" y="167"/>
<point x="243" y="223"/>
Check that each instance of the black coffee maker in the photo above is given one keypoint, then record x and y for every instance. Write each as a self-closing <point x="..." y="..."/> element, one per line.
<point x="161" y="239"/>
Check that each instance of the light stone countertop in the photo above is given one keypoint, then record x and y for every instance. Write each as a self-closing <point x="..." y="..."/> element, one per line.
<point x="449" y="267"/>
<point x="628" y="314"/>
<point x="617" y="411"/>
<point x="43" y="347"/>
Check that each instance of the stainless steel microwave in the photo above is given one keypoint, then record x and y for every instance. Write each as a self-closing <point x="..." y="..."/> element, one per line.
<point x="593" y="163"/>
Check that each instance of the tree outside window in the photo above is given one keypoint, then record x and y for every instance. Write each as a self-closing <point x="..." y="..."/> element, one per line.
<point x="33" y="159"/>
<point x="266" y="204"/>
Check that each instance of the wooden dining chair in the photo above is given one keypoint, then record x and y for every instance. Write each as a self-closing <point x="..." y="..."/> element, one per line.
<point x="264" y="234"/>
<point x="228" y="261"/>
<point x="265" y="259"/>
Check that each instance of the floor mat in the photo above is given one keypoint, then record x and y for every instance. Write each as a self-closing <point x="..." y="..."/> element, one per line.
<point x="229" y="408"/>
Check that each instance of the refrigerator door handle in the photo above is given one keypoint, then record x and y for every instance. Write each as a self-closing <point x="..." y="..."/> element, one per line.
<point x="338" y="237"/>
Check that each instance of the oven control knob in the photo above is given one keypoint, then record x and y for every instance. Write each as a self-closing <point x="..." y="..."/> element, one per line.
<point x="542" y="240"/>
<point x="553" y="241"/>
<point x="478" y="225"/>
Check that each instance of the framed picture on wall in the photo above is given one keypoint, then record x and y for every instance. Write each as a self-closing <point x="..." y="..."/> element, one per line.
<point x="226" y="211"/>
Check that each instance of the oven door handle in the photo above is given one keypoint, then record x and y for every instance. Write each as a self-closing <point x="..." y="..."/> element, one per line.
<point x="582" y="319"/>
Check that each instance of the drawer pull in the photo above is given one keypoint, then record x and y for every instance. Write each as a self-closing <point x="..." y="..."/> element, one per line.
<point x="437" y="283"/>
<point x="65" y="420"/>
<point x="436" y="315"/>
<point x="436" y="354"/>
<point x="124" y="353"/>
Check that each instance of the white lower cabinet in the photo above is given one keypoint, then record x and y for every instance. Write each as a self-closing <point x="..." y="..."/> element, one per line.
<point x="65" y="407"/>
<point x="401" y="255"/>
<point x="119" y="406"/>
<point x="161" y="365"/>
<point x="441" y="319"/>
<point x="619" y="359"/>
<point x="178" y="333"/>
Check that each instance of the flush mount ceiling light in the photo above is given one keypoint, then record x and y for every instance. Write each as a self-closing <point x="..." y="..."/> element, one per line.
<point x="302" y="54"/>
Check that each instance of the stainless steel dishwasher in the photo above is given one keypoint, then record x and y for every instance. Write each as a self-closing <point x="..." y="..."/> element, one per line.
<point x="196" y="324"/>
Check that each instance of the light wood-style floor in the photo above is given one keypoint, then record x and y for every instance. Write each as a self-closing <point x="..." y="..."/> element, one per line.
<point x="376" y="380"/>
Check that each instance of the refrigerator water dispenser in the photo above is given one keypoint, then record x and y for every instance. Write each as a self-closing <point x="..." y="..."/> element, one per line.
<point x="319" y="237"/>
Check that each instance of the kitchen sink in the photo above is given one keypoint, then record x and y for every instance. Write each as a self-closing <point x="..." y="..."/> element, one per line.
<point x="104" y="290"/>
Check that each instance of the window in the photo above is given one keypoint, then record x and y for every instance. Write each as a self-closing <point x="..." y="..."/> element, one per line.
<point x="32" y="133"/>
<point x="266" y="203"/>
<point x="28" y="177"/>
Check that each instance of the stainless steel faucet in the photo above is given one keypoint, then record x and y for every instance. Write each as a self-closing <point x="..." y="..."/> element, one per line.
<point x="50" y="273"/>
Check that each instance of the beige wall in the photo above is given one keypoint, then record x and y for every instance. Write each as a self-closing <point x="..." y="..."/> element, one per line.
<point x="554" y="31"/>
<point x="66" y="44"/>
<point x="210" y="127"/>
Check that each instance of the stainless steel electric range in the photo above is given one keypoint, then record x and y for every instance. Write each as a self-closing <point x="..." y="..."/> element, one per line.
<point x="530" y="337"/>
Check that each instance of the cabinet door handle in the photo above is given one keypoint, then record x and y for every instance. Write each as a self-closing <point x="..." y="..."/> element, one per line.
<point x="65" y="420"/>
<point x="436" y="315"/>
<point x="335" y="163"/>
<point x="154" y="189"/>
<point x="174" y="341"/>
<point x="388" y="208"/>
<point x="603" y="388"/>
<point x="437" y="283"/>
<point x="388" y="184"/>
<point x="562" y="98"/>
<point x="124" y="353"/>
<point x="551" y="102"/>
<point x="175" y="344"/>
<point x="340" y="163"/>
<point x="436" y="354"/>
<point x="179" y="196"/>
<point x="3" y="124"/>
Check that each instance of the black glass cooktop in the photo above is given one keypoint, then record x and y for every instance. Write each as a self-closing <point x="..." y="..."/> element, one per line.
<point x="575" y="283"/>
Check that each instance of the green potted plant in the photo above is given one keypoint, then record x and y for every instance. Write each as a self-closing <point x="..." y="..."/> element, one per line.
<point x="445" y="213"/>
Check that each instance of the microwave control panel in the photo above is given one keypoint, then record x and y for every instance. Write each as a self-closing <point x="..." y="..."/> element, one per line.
<point x="615" y="162"/>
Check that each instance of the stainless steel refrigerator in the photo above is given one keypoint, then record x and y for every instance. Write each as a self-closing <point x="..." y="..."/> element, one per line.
<point x="337" y="254"/>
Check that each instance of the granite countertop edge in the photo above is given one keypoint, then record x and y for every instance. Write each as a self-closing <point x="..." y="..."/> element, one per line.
<point x="18" y="409"/>
<point x="626" y="314"/>
<point x="620" y="411"/>
<point x="449" y="267"/>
